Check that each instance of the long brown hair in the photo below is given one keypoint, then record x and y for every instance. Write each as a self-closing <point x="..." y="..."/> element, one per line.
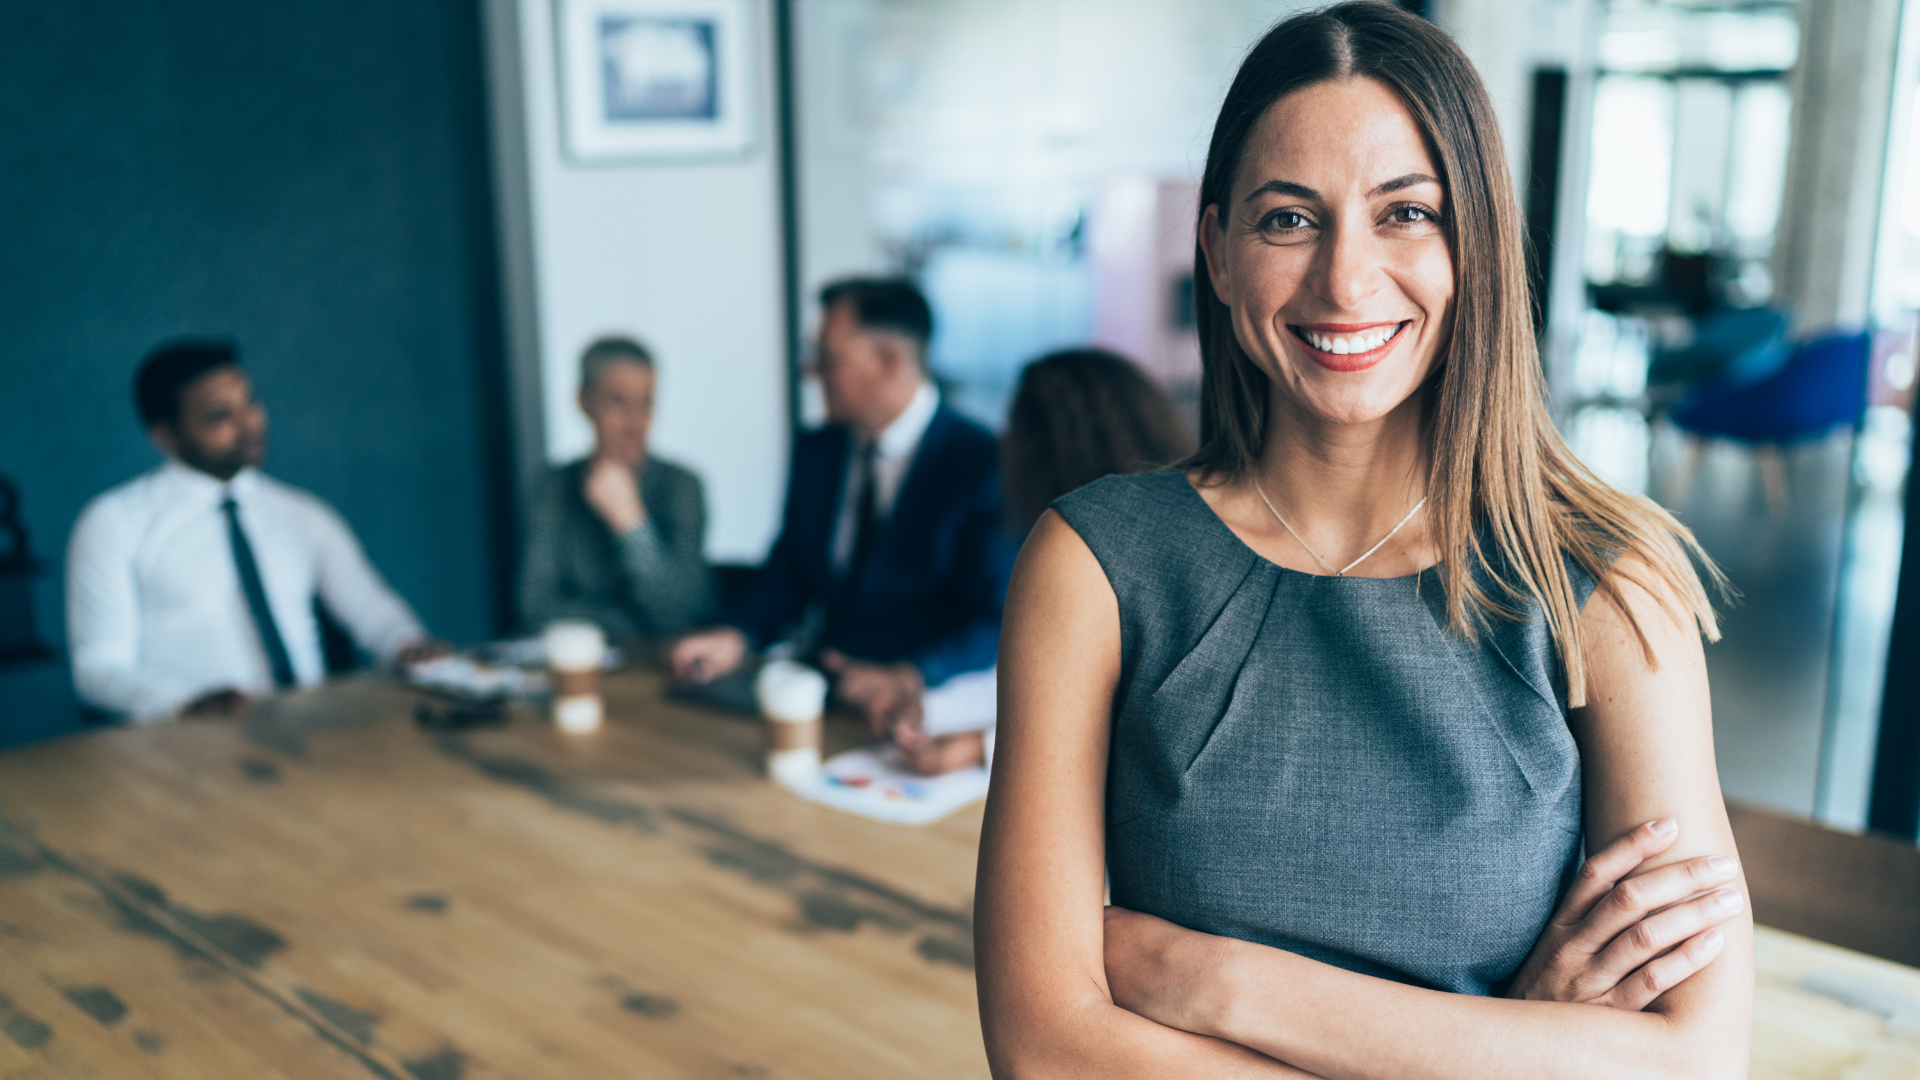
<point x="1079" y="415"/>
<point x="1505" y="494"/>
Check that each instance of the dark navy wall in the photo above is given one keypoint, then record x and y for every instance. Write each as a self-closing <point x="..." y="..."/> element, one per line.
<point x="309" y="178"/>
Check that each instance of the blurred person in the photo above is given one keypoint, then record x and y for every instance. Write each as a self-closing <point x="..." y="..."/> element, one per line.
<point x="1077" y="415"/>
<point x="192" y="587"/>
<point x="892" y="528"/>
<point x="619" y="537"/>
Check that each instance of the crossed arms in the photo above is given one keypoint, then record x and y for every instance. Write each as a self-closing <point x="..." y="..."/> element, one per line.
<point x="1068" y="988"/>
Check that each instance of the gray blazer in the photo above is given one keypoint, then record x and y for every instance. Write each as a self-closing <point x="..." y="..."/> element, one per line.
<point x="651" y="582"/>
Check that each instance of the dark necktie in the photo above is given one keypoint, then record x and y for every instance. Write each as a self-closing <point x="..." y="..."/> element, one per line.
<point x="257" y="598"/>
<point x="866" y="522"/>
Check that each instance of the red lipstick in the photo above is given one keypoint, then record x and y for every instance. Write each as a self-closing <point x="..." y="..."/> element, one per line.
<point x="1346" y="361"/>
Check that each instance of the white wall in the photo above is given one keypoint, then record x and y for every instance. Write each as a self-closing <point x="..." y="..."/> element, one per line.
<point x="1494" y="35"/>
<point x="684" y="256"/>
<point x="1830" y="215"/>
<point x="832" y="109"/>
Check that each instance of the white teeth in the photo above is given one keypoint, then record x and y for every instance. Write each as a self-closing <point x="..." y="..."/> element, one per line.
<point x="1349" y="344"/>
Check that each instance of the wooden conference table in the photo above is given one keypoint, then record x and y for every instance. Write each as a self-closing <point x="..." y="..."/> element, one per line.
<point x="325" y="890"/>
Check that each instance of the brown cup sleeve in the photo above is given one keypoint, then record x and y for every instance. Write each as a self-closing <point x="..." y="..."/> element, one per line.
<point x="575" y="683"/>
<point x="784" y="736"/>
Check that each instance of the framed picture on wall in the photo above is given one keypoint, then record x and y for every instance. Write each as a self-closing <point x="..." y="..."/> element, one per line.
<point x="656" y="79"/>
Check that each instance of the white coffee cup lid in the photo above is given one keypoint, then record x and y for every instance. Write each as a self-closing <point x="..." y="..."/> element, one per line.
<point x="574" y="645"/>
<point x="790" y="691"/>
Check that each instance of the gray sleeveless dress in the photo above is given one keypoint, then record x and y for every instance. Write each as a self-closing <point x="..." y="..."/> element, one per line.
<point x="1314" y="763"/>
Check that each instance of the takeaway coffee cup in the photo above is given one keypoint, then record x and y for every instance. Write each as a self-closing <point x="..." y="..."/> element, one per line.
<point x="792" y="696"/>
<point x="574" y="651"/>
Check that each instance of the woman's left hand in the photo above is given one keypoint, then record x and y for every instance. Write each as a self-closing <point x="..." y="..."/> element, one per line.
<point x="1165" y="972"/>
<point x="1623" y="936"/>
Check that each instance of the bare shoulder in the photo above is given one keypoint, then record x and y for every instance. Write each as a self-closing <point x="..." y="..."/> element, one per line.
<point x="1059" y="595"/>
<point x="1638" y="618"/>
<point x="1059" y="666"/>
<point x="1646" y="666"/>
<point x="1038" y="925"/>
<point x="1646" y="731"/>
<point x="1054" y="548"/>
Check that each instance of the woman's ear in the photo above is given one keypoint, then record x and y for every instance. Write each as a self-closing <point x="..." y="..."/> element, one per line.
<point x="1213" y="242"/>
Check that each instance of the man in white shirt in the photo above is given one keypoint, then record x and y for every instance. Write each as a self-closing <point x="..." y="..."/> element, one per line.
<point x="191" y="587"/>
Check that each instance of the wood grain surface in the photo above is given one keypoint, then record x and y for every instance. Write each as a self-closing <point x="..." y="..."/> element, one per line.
<point x="325" y="890"/>
<point x="1825" y="1013"/>
<point x="1860" y="892"/>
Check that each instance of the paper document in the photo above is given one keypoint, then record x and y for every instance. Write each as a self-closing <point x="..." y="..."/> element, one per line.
<point x="872" y="783"/>
<point x="464" y="677"/>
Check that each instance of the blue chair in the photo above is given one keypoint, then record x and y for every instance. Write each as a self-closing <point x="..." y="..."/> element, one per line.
<point x="1822" y="387"/>
<point x="1731" y="347"/>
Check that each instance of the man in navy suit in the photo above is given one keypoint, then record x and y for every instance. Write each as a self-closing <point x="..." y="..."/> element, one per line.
<point x="893" y="525"/>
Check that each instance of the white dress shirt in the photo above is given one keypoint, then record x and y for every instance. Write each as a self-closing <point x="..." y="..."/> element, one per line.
<point x="156" y="615"/>
<point x="893" y="456"/>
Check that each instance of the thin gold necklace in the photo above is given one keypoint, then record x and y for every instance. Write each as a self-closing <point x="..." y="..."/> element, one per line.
<point x="1342" y="572"/>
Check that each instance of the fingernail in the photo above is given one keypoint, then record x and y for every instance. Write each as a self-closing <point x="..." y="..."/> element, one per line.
<point x="1711" y="941"/>
<point x="1727" y="898"/>
<point x="1722" y="865"/>
<point x="1663" y="827"/>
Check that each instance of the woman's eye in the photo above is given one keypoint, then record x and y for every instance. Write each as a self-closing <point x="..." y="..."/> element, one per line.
<point x="1284" y="219"/>
<point x="1411" y="215"/>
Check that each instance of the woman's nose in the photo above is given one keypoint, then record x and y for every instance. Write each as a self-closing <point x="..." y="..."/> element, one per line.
<point x="1350" y="268"/>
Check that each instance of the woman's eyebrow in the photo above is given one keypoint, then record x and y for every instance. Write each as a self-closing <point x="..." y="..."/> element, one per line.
<point x="1302" y="191"/>
<point x="1401" y="182"/>
<point x="1282" y="187"/>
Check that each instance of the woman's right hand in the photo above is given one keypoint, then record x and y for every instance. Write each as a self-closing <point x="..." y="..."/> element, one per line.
<point x="1621" y="940"/>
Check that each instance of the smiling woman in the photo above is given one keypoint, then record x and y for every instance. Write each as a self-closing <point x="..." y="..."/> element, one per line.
<point x="1341" y="810"/>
